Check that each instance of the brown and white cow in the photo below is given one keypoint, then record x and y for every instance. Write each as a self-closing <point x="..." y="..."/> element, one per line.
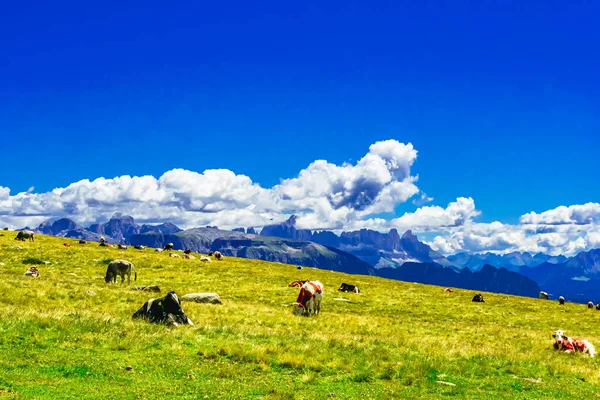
<point x="309" y="299"/>
<point x="569" y="344"/>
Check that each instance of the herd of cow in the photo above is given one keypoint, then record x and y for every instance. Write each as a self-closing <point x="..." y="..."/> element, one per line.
<point x="168" y="309"/>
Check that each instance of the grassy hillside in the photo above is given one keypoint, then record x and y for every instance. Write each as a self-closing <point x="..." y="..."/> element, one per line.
<point x="394" y="340"/>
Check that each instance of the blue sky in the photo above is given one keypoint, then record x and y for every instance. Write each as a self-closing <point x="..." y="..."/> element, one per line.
<point x="500" y="100"/>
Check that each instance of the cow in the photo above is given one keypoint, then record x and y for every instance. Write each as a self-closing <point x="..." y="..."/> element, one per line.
<point x="561" y="301"/>
<point x="568" y="344"/>
<point x="158" y="250"/>
<point x="33" y="272"/>
<point x="67" y="244"/>
<point x="345" y="287"/>
<point x="82" y="241"/>
<point x="22" y="235"/>
<point x="448" y="290"/>
<point x="309" y="299"/>
<point x="205" y="259"/>
<point x="168" y="246"/>
<point x="218" y="255"/>
<point x="139" y="247"/>
<point x="211" y="253"/>
<point x="120" y="267"/>
<point x="544" y="295"/>
<point x="187" y="251"/>
<point x="102" y="241"/>
<point x="122" y="247"/>
<point x="166" y="310"/>
<point x="478" y="298"/>
<point x="174" y="255"/>
<point x="590" y="305"/>
<point x="189" y="257"/>
<point x="296" y="283"/>
<point x="598" y="306"/>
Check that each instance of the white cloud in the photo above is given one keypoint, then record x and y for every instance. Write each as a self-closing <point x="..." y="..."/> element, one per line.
<point x="323" y="195"/>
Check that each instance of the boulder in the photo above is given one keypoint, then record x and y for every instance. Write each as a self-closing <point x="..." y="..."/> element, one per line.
<point x="152" y="288"/>
<point x="211" y="298"/>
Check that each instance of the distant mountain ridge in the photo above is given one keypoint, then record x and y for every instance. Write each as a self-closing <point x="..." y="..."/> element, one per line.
<point x="489" y="278"/>
<point x="577" y="279"/>
<point x="511" y="261"/>
<point x="380" y="250"/>
<point x="364" y="252"/>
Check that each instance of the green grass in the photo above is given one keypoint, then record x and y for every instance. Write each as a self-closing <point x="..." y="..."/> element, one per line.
<point x="394" y="340"/>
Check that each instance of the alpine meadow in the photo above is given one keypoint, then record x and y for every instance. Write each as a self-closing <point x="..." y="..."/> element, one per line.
<point x="70" y="335"/>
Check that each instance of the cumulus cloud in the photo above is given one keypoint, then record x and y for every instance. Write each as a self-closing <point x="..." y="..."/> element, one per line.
<point x="324" y="195"/>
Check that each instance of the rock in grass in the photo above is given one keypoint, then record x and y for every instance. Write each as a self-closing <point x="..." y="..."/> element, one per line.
<point x="211" y="298"/>
<point x="90" y="292"/>
<point x="152" y="288"/>
<point x="446" y="383"/>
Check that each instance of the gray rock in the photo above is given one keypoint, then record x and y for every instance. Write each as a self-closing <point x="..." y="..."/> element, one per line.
<point x="211" y="298"/>
<point x="152" y="288"/>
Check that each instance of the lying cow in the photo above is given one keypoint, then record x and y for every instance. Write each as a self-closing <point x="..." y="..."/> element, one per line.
<point x="22" y="235"/>
<point x="33" y="272"/>
<point x="309" y="299"/>
<point x="122" y="247"/>
<point x="168" y="246"/>
<point x="166" y="310"/>
<point x="478" y="298"/>
<point x="544" y="295"/>
<point x="174" y="255"/>
<point x="139" y="247"/>
<point x="345" y="287"/>
<point x="568" y="344"/>
<point x="120" y="267"/>
<point x="82" y="241"/>
<point x="561" y="301"/>
<point x="448" y="290"/>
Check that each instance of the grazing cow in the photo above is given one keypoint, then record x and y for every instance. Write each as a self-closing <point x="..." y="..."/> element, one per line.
<point x="211" y="253"/>
<point x="103" y="241"/>
<point x="568" y="344"/>
<point x="139" y="247"/>
<point x="309" y="299"/>
<point x="187" y="251"/>
<point x="598" y="306"/>
<point x="300" y="267"/>
<point x="174" y="255"/>
<point x="205" y="259"/>
<point x="166" y="310"/>
<point x="82" y="241"/>
<point x="561" y="300"/>
<point x="348" y="288"/>
<point x="448" y="290"/>
<point x="478" y="298"/>
<point x="590" y="304"/>
<point x="544" y="295"/>
<point x="33" y="272"/>
<point x="22" y="235"/>
<point x="296" y="283"/>
<point x="168" y="246"/>
<point x="122" y="247"/>
<point x="67" y="244"/>
<point x="218" y="255"/>
<point x="120" y="267"/>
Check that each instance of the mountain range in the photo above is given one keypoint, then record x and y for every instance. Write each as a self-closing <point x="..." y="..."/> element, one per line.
<point x="359" y="252"/>
<point x="380" y="250"/>
<point x="511" y="261"/>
